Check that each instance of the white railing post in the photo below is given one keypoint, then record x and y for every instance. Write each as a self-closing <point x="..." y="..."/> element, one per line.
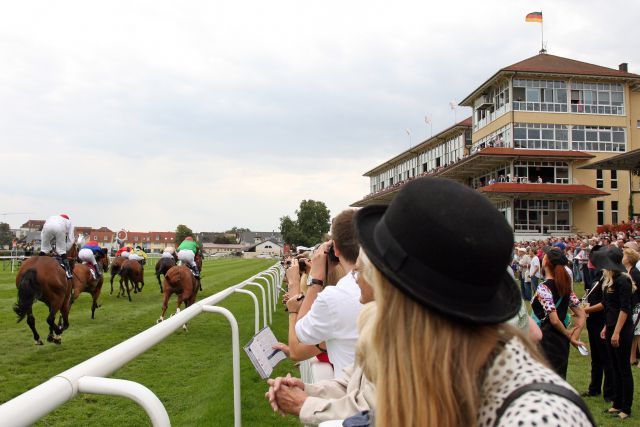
<point x="235" y="348"/>
<point x="131" y="390"/>
<point x="270" y="303"/>
<point x="274" y="275"/>
<point x="264" y="302"/>
<point x="256" y="304"/>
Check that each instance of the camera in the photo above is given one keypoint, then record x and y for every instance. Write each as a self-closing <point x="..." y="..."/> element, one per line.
<point x="302" y="264"/>
<point x="332" y="255"/>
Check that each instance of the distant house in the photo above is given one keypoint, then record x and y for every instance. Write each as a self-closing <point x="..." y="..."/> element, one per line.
<point x="263" y="249"/>
<point x="253" y="237"/>
<point x="216" y="248"/>
<point x="33" y="225"/>
<point x="212" y="236"/>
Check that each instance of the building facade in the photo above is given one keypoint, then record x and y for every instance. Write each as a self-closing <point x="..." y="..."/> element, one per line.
<point x="535" y="125"/>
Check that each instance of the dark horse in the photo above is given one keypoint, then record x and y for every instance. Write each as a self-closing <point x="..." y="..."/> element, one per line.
<point x="162" y="266"/>
<point x="43" y="278"/>
<point x="116" y="266"/>
<point x="179" y="280"/>
<point x="131" y="271"/>
<point x="83" y="281"/>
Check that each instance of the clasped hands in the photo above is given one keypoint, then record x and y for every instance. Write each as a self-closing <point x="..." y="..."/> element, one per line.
<point x="286" y="395"/>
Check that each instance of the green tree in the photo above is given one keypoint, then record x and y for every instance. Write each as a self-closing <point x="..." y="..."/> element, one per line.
<point x="224" y="240"/>
<point x="311" y="223"/>
<point x="235" y="230"/>
<point x="182" y="231"/>
<point x="6" y="236"/>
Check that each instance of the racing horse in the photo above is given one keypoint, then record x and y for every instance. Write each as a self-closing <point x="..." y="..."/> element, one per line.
<point x="131" y="271"/>
<point x="43" y="278"/>
<point x="84" y="281"/>
<point x="162" y="266"/>
<point x="116" y="266"/>
<point x="179" y="280"/>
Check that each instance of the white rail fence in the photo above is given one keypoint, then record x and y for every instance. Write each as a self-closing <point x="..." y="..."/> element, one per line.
<point x="91" y="375"/>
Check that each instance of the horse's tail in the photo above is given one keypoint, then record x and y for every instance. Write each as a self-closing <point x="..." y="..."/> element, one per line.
<point x="28" y="291"/>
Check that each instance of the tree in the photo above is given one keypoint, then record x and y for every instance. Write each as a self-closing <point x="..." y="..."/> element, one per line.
<point x="224" y="240"/>
<point x="235" y="230"/>
<point x="6" y="236"/>
<point x="311" y="223"/>
<point x="182" y="231"/>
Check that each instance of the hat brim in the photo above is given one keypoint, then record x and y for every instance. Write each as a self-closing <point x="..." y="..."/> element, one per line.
<point x="499" y="307"/>
<point x="600" y="260"/>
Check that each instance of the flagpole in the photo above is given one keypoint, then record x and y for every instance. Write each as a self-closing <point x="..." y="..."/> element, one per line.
<point x="542" y="49"/>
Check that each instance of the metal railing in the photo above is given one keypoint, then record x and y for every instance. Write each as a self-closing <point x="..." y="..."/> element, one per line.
<point x="91" y="375"/>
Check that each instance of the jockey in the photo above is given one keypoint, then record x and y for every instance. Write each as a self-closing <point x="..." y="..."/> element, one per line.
<point x="169" y="252"/>
<point x="124" y="252"/>
<point x="89" y="253"/>
<point x="187" y="252"/>
<point x="138" y="255"/>
<point x="60" y="229"/>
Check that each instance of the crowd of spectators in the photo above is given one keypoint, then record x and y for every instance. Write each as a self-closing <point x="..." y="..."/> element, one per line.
<point x="414" y="339"/>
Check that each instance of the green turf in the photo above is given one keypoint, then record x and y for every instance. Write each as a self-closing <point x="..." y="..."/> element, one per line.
<point x="190" y="371"/>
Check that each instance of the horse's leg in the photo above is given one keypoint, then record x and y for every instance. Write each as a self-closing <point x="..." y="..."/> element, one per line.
<point x="180" y="301"/>
<point x="54" y="330"/>
<point x="165" y="303"/>
<point x="126" y="286"/>
<point x="112" y="276"/>
<point x="64" y="310"/>
<point x="94" y="305"/>
<point x="31" y="321"/>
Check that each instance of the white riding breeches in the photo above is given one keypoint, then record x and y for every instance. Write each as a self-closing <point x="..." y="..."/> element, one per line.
<point x="135" y="257"/>
<point x="87" y="255"/>
<point x="125" y="254"/>
<point x="166" y="255"/>
<point x="57" y="232"/>
<point x="187" y="257"/>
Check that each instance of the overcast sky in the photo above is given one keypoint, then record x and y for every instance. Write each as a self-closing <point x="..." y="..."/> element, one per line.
<point x="147" y="114"/>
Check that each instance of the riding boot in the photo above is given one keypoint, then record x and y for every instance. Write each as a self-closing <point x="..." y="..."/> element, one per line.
<point x="67" y="267"/>
<point x="196" y="273"/>
<point x="98" y="270"/>
<point x="42" y="253"/>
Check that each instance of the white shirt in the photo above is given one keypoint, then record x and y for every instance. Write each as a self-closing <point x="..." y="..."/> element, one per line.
<point x="332" y="319"/>
<point x="535" y="266"/>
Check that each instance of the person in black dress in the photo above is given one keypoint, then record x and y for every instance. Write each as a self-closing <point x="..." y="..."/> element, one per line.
<point x="617" y="289"/>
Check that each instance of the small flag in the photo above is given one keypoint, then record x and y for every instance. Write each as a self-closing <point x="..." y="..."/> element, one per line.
<point x="427" y="120"/>
<point x="452" y="104"/>
<point x="408" y="132"/>
<point x="534" y="17"/>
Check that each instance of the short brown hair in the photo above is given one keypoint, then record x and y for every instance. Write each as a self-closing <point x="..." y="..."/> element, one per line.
<point x="343" y="232"/>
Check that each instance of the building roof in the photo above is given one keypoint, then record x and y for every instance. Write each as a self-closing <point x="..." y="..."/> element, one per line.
<point x="415" y="150"/>
<point x="252" y="248"/>
<point x="33" y="223"/>
<point x="224" y="246"/>
<point x="544" y="63"/>
<point x="629" y="161"/>
<point x="250" y="236"/>
<point x="544" y="190"/>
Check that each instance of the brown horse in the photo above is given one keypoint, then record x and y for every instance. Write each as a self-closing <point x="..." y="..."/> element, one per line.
<point x="116" y="266"/>
<point x="43" y="278"/>
<point x="83" y="281"/>
<point x="131" y="271"/>
<point x="179" y="280"/>
<point x="162" y="266"/>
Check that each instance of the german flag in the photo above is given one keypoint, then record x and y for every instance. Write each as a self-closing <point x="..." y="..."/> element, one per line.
<point x="534" y="17"/>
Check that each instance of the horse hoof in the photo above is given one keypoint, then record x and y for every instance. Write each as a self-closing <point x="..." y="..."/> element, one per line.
<point x="159" y="320"/>
<point x="185" y="328"/>
<point x="57" y="340"/>
<point x="39" y="342"/>
<point x="50" y="338"/>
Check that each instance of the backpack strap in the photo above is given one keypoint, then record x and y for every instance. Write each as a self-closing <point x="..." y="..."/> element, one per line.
<point x="548" y="388"/>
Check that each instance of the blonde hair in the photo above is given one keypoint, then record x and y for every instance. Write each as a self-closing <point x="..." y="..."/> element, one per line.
<point x="632" y="255"/>
<point x="365" y="355"/>
<point x="610" y="275"/>
<point x="429" y="368"/>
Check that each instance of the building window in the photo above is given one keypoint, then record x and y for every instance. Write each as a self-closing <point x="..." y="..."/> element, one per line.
<point x="542" y="216"/>
<point x="135" y="239"/>
<point x="638" y="124"/>
<point x="540" y="136"/>
<point x="614" y="212"/>
<point x="95" y="237"/>
<point x="614" y="181"/>
<point x="105" y="239"/>
<point x="597" y="98"/>
<point x="547" y="172"/>
<point x="598" y="138"/>
<point x="599" y="179"/>
<point x="540" y="95"/>
<point x="499" y="138"/>
<point x="600" y="210"/>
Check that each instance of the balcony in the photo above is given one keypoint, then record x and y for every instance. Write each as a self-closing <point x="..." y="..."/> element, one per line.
<point x="515" y="190"/>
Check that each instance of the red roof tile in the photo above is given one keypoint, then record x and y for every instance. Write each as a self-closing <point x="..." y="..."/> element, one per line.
<point x="512" y="187"/>
<point x="545" y="63"/>
<point x="506" y="151"/>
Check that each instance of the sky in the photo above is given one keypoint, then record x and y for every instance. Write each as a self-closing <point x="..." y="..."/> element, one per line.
<point x="148" y="114"/>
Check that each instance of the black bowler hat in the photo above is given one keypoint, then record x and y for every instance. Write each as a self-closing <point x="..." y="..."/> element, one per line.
<point x="416" y="243"/>
<point x="608" y="259"/>
<point x="555" y="255"/>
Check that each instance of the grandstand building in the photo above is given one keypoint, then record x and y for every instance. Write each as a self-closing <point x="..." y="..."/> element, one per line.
<point x="535" y="126"/>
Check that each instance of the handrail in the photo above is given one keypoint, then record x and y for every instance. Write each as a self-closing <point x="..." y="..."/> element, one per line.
<point x="256" y="305"/>
<point x="32" y="405"/>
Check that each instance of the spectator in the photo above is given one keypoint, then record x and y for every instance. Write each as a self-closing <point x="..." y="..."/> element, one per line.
<point x="630" y="259"/>
<point x="618" y="331"/>
<point x="443" y="354"/>
<point x="330" y="316"/>
<point x="554" y="298"/>
<point x="534" y="269"/>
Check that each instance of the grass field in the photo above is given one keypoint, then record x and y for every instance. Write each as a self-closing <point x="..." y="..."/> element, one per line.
<point x="190" y="372"/>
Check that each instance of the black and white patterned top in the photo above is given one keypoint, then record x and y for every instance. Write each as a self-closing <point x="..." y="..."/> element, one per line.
<point x="514" y="367"/>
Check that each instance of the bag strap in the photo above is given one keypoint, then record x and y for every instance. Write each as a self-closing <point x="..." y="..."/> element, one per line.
<point x="549" y="388"/>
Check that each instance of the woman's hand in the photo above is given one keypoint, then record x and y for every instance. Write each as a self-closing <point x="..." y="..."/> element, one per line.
<point x="282" y="347"/>
<point x="294" y="303"/>
<point x="603" y="333"/>
<point x="290" y="399"/>
<point x="615" y="339"/>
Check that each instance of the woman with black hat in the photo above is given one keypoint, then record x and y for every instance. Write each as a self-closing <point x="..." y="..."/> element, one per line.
<point x="449" y="358"/>
<point x="554" y="299"/>
<point x="618" y="331"/>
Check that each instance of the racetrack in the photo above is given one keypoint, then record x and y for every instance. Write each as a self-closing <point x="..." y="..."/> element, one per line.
<point x="190" y="371"/>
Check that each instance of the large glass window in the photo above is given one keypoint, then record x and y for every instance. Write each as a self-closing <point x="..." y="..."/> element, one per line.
<point x="600" y="211"/>
<point x="499" y="138"/>
<point x="540" y="95"/>
<point x="542" y="216"/>
<point x="599" y="178"/>
<point x="540" y="136"/>
<point x="598" y="138"/>
<point x="614" y="212"/>
<point x="597" y="98"/>
<point x="544" y="172"/>
<point x="614" y="179"/>
<point x="491" y="105"/>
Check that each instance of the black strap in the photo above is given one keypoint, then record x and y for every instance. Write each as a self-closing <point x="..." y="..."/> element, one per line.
<point x="548" y="388"/>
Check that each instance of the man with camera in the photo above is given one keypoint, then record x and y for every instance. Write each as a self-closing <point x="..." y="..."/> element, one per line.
<point x="329" y="314"/>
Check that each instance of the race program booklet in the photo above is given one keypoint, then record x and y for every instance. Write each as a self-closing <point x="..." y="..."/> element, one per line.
<point x="262" y="354"/>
